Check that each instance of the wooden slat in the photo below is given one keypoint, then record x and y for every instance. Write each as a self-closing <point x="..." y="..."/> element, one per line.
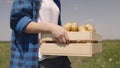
<point x="74" y="36"/>
<point x="72" y="49"/>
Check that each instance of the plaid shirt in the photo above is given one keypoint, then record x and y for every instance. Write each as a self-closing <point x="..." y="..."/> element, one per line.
<point x="24" y="47"/>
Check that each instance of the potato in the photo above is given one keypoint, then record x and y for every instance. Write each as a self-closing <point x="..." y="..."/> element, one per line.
<point x="67" y="26"/>
<point x="82" y="28"/>
<point x="74" y="27"/>
<point x="90" y="27"/>
<point x="74" y="24"/>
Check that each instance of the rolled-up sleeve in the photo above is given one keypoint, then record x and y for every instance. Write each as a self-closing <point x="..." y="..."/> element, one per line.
<point x="21" y="15"/>
<point x="22" y="24"/>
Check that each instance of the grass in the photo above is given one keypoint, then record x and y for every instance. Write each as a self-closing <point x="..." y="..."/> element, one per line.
<point x="4" y="54"/>
<point x="109" y="58"/>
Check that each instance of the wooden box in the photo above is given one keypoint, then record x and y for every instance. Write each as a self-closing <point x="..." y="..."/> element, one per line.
<point x="84" y="44"/>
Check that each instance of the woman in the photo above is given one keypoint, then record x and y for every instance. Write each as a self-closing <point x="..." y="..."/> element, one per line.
<point x="29" y="18"/>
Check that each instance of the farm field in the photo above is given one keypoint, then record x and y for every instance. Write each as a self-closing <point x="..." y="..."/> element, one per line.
<point x="109" y="58"/>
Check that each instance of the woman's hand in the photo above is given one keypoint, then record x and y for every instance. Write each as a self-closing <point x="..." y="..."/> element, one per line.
<point x="60" y="33"/>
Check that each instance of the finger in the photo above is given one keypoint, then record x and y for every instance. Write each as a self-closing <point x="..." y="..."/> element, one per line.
<point x="63" y="39"/>
<point x="63" y="33"/>
<point x="60" y="35"/>
<point x="66" y="37"/>
<point x="60" y="40"/>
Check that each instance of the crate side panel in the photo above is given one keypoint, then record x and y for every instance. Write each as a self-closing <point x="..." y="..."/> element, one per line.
<point x="77" y="49"/>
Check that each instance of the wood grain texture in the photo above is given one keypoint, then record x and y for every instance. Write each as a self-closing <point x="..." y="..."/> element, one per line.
<point x="84" y="44"/>
<point x="72" y="49"/>
<point x="75" y="36"/>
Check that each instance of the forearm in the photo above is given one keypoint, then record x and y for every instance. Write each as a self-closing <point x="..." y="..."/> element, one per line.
<point x="34" y="27"/>
<point x="59" y="32"/>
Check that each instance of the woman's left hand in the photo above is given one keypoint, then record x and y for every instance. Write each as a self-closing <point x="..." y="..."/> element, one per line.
<point x="60" y="33"/>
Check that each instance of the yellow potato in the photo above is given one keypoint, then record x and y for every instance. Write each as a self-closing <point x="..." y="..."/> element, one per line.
<point x="67" y="26"/>
<point x="82" y="28"/>
<point x="74" y="24"/>
<point x="74" y="27"/>
<point x="90" y="27"/>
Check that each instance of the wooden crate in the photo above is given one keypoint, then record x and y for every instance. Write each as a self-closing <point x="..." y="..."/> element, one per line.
<point x="88" y="44"/>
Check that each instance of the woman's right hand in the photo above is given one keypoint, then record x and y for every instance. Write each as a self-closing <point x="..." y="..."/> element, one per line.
<point x="60" y="33"/>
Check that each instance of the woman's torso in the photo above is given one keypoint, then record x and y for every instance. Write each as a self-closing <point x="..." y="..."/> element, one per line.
<point x="48" y="13"/>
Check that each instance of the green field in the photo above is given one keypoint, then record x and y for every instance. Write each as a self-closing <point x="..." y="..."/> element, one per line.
<point x="109" y="58"/>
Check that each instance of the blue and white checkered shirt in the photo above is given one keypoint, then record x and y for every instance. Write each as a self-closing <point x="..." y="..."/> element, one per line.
<point x="24" y="47"/>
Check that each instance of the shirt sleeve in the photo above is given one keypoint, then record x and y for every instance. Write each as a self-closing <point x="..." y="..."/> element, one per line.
<point x="21" y="15"/>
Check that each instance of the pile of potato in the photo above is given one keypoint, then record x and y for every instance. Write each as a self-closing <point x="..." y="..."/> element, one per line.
<point x="75" y="28"/>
